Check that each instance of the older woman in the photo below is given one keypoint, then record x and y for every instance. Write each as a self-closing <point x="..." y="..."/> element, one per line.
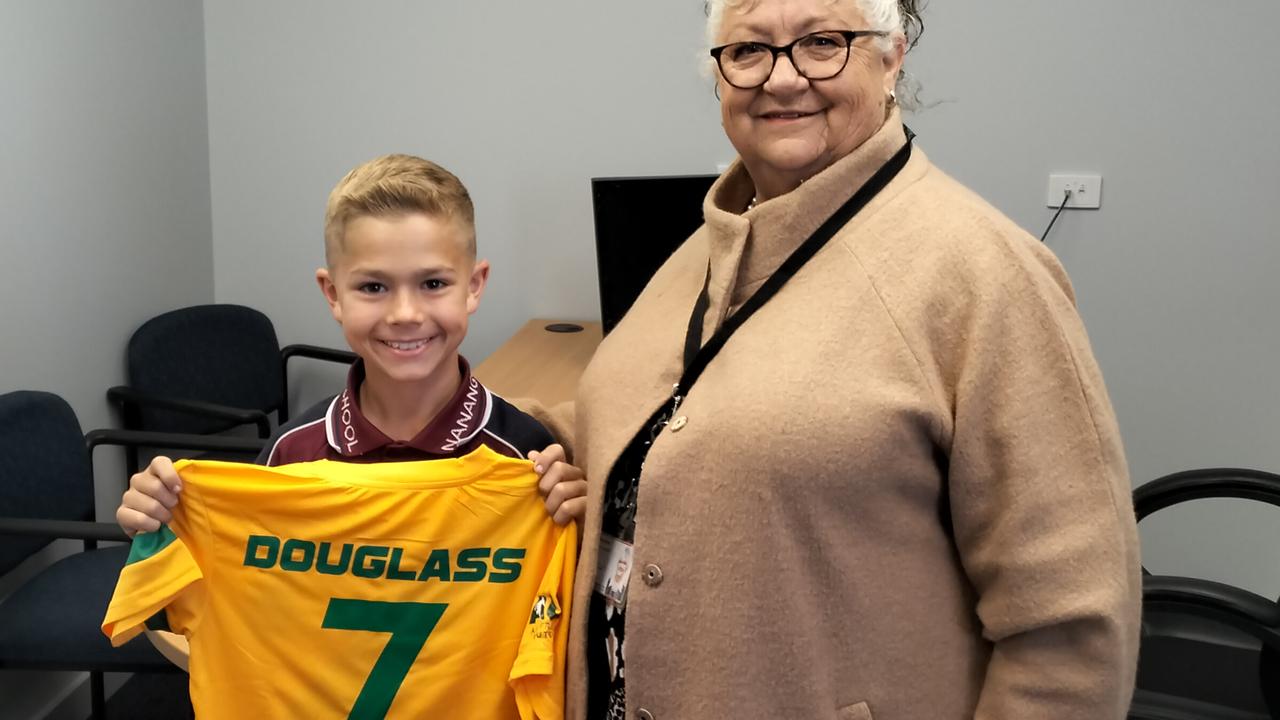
<point x="851" y="438"/>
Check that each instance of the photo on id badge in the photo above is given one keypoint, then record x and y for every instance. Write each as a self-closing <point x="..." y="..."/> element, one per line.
<point x="613" y="570"/>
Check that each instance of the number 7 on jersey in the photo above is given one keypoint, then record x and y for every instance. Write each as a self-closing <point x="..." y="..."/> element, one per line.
<point x="409" y="624"/>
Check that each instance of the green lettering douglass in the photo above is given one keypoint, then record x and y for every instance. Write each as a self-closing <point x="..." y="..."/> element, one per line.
<point x="476" y="564"/>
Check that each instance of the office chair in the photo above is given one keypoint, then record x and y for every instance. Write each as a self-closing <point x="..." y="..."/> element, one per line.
<point x="52" y="621"/>
<point x="1209" y="650"/>
<point x="206" y="369"/>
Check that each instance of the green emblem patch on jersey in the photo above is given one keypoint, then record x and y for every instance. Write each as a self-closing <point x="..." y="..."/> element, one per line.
<point x="544" y="608"/>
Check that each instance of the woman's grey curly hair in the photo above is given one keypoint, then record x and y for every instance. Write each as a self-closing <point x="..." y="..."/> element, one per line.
<point x="892" y="16"/>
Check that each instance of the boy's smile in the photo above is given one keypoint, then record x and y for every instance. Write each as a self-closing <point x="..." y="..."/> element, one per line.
<point x="403" y="288"/>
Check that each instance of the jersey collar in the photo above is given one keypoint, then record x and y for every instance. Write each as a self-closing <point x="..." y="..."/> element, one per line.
<point x="351" y="434"/>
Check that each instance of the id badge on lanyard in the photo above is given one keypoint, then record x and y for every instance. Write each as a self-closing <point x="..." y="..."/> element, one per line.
<point x="613" y="570"/>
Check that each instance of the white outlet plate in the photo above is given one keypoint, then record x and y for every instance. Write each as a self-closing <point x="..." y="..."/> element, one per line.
<point x="1086" y="190"/>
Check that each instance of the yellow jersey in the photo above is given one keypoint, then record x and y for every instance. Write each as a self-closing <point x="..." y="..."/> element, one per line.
<point x="427" y="589"/>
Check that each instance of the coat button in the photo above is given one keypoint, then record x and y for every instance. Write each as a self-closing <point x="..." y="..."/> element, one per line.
<point x="679" y="423"/>
<point x="652" y="575"/>
<point x="643" y="714"/>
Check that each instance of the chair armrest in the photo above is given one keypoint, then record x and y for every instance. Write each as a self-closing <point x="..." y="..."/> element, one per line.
<point x="185" y="441"/>
<point x="128" y="396"/>
<point x="69" y="529"/>
<point x="316" y="352"/>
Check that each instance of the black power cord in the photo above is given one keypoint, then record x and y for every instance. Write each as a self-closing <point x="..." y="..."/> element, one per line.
<point x="1065" y="199"/>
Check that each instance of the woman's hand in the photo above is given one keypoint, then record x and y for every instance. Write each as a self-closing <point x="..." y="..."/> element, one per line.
<point x="151" y="495"/>
<point x="564" y="486"/>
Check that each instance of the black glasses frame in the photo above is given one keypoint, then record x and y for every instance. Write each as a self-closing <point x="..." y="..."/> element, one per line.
<point x="776" y="50"/>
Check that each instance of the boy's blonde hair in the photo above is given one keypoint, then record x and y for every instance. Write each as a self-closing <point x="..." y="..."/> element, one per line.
<point x="393" y="185"/>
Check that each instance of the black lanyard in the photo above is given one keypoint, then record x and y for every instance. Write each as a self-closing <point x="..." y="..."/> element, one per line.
<point x="697" y="356"/>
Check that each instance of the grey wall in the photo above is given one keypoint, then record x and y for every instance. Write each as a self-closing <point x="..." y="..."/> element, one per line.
<point x="105" y="183"/>
<point x="104" y="177"/>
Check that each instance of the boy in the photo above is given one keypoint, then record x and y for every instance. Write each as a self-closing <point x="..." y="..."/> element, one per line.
<point x="402" y="279"/>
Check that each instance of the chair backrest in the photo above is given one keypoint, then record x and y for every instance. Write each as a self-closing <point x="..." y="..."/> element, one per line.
<point x="225" y="354"/>
<point x="44" y="467"/>
<point x="1206" y="642"/>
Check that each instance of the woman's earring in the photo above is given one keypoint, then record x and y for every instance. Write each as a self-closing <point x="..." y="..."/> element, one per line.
<point x="893" y="97"/>
<point x="717" y="92"/>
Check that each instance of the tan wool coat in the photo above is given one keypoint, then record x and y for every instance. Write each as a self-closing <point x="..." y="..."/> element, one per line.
<point x="899" y="491"/>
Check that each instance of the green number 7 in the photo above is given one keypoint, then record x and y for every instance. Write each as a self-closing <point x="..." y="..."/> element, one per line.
<point x="409" y="624"/>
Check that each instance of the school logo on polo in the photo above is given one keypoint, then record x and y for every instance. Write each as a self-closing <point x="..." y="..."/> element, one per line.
<point x="348" y="428"/>
<point x="462" y="428"/>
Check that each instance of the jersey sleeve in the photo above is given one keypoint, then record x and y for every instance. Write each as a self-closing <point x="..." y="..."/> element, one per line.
<point x="159" y="573"/>
<point x="537" y="676"/>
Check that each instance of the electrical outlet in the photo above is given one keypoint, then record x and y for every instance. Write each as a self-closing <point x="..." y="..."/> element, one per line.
<point x="1086" y="191"/>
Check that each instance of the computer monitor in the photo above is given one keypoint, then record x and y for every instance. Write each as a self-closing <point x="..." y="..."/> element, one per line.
<point x="640" y="221"/>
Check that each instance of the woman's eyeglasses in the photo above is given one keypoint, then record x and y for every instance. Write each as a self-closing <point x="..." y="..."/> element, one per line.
<point x="816" y="56"/>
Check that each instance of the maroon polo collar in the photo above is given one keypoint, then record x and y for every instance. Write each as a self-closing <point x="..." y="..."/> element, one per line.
<point x="351" y="434"/>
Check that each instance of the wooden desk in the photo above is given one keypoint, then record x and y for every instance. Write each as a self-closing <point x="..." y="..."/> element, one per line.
<point x="535" y="363"/>
<point x="540" y="364"/>
<point x="172" y="646"/>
